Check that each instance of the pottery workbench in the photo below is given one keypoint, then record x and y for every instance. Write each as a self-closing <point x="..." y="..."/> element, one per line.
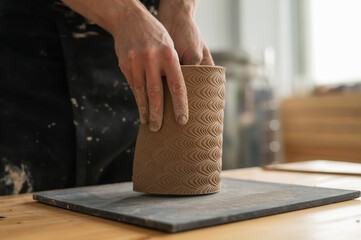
<point x="25" y="218"/>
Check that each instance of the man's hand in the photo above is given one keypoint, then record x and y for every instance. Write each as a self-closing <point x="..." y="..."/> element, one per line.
<point x="145" y="53"/>
<point x="178" y="18"/>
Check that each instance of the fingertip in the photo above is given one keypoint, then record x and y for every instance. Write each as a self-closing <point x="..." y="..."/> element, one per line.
<point x="192" y="61"/>
<point x="143" y="115"/>
<point x="192" y="56"/>
<point x="207" y="57"/>
<point x="154" y="126"/>
<point x="182" y="119"/>
<point x="208" y="62"/>
<point x="143" y="121"/>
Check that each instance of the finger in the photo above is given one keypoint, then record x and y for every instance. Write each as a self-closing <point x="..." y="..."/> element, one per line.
<point x="155" y="96"/>
<point x="177" y="89"/>
<point x="192" y="56"/>
<point x="139" y="91"/>
<point x="207" y="57"/>
<point x="128" y="75"/>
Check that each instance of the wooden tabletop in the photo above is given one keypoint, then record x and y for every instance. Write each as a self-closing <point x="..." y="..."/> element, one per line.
<point x="28" y="219"/>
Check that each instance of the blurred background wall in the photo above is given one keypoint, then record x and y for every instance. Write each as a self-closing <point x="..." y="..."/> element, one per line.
<point x="275" y="50"/>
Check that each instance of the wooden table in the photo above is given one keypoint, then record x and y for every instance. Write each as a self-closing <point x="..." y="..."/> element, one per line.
<point x="27" y="219"/>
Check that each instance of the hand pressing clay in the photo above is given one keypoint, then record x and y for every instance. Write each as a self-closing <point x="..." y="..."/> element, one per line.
<point x="185" y="160"/>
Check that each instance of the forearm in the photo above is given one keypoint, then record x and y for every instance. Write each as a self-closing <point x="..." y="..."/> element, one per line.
<point x="109" y="14"/>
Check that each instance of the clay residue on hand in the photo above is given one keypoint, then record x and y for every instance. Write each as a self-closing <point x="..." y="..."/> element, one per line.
<point x="155" y="119"/>
<point x="140" y="94"/>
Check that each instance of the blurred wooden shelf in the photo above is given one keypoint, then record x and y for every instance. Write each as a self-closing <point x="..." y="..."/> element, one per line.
<point x="322" y="127"/>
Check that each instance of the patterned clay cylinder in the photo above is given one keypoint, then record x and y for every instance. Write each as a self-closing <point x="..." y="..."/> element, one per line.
<point x="185" y="160"/>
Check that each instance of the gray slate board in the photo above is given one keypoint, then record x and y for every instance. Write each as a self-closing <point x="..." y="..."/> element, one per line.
<point x="238" y="200"/>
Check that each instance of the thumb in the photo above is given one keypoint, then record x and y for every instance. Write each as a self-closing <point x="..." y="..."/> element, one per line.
<point x="207" y="57"/>
<point x="192" y="56"/>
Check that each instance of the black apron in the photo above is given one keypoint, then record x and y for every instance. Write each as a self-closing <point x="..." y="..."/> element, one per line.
<point x="67" y="115"/>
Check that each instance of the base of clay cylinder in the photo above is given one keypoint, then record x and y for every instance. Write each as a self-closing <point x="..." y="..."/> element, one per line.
<point x="185" y="160"/>
<point x="175" y="193"/>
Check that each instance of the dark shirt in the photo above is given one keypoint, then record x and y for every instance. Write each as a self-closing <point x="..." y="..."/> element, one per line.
<point x="67" y="115"/>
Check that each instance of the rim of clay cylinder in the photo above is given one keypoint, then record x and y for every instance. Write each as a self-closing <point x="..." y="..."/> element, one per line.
<point x="201" y="66"/>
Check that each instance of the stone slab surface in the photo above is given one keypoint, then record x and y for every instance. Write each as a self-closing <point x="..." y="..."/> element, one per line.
<point x="238" y="200"/>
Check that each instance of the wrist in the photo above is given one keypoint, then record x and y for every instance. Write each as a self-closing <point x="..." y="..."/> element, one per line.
<point x="109" y="14"/>
<point x="175" y="7"/>
<point x="130" y="11"/>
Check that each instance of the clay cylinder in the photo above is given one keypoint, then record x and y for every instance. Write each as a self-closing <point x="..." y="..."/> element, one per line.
<point x="185" y="160"/>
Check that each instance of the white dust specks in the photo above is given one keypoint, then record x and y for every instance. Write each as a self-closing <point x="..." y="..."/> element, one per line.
<point x="152" y="10"/>
<point x="105" y="129"/>
<point x="16" y="176"/>
<point x="82" y="26"/>
<point x="84" y="34"/>
<point x="74" y="102"/>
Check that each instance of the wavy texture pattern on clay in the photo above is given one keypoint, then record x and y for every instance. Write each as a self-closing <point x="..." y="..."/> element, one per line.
<point x="185" y="160"/>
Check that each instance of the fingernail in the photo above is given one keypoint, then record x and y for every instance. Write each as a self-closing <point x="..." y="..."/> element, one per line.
<point x="154" y="126"/>
<point x="182" y="119"/>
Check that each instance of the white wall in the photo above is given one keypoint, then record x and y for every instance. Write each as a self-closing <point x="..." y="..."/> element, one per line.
<point x="213" y="19"/>
<point x="258" y="24"/>
<point x="252" y="25"/>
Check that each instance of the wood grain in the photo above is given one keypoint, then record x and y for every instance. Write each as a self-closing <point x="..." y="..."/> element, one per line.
<point x="27" y="219"/>
<point x="322" y="127"/>
<point x="319" y="166"/>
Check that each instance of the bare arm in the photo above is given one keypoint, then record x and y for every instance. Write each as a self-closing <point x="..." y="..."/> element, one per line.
<point x="178" y="18"/>
<point x="145" y="51"/>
